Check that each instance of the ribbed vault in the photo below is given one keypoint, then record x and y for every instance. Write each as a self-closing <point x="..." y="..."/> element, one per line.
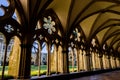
<point x="87" y="21"/>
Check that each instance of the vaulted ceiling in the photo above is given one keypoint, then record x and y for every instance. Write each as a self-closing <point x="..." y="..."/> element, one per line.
<point x="96" y="18"/>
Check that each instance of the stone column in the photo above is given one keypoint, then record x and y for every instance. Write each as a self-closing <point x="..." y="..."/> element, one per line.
<point x="14" y="58"/>
<point x="104" y="62"/>
<point x="81" y="60"/>
<point x="87" y="61"/>
<point x="119" y="62"/>
<point x="4" y="62"/>
<point x="97" y="61"/>
<point x="93" y="60"/>
<point x="112" y="62"/>
<point x="39" y="64"/>
<point x="109" y="62"/>
<point x="56" y="59"/>
<point x="101" y="62"/>
<point x="53" y="59"/>
<point x="25" y="57"/>
<point x="60" y="59"/>
<point x="65" y="61"/>
<point x="73" y="62"/>
<point x="1" y="52"/>
<point x="48" y="59"/>
<point x="78" y="65"/>
<point x="115" y="62"/>
<point x="65" y="55"/>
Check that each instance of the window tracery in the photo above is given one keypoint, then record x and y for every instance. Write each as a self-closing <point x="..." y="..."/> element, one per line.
<point x="9" y="28"/>
<point x="49" y="24"/>
<point x="76" y="34"/>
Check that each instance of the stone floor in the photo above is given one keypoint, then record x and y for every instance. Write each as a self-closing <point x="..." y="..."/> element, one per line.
<point x="114" y="75"/>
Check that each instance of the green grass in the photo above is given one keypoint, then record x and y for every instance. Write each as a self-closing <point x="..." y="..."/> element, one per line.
<point x="43" y="67"/>
<point x="34" y="70"/>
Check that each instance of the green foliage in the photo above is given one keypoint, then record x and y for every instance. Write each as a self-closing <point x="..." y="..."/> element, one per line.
<point x="34" y="71"/>
<point x="7" y="77"/>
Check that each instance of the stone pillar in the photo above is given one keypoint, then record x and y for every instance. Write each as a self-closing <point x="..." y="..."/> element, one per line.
<point x="65" y="61"/>
<point x="109" y="62"/>
<point x="14" y="59"/>
<point x="119" y="62"/>
<point x="60" y="60"/>
<point x="93" y="60"/>
<point x="104" y="61"/>
<point x="56" y="60"/>
<point x="112" y="62"/>
<point x="97" y="61"/>
<point x="115" y="62"/>
<point x="73" y="60"/>
<point x="65" y="55"/>
<point x="39" y="64"/>
<point x="84" y="60"/>
<point x="48" y="59"/>
<point x="53" y="59"/>
<point x="25" y="58"/>
<point x="87" y="61"/>
<point x="4" y="62"/>
<point x="78" y="65"/>
<point x="1" y="52"/>
<point x="101" y="61"/>
<point x="81" y="60"/>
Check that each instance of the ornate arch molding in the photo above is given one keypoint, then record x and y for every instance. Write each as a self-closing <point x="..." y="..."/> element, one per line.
<point x="117" y="49"/>
<point x="58" y="26"/>
<point x="79" y="18"/>
<point x="76" y="38"/>
<point x="11" y="28"/>
<point x="115" y="39"/>
<point x="111" y="33"/>
<point x="109" y="22"/>
<point x="49" y="33"/>
<point x="97" y="45"/>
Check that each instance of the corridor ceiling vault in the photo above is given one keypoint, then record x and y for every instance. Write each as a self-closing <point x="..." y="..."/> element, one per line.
<point x="98" y="19"/>
<point x="87" y="26"/>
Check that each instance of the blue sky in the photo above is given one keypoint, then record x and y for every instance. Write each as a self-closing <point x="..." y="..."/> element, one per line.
<point x="5" y="3"/>
<point x="44" y="48"/>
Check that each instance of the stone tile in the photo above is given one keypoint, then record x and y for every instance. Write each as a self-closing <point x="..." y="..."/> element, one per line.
<point x="115" y="75"/>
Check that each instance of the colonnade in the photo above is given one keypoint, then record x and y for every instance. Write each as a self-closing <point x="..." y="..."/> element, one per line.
<point x="95" y="61"/>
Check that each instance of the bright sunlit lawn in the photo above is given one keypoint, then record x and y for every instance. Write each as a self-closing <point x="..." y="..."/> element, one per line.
<point x="34" y="70"/>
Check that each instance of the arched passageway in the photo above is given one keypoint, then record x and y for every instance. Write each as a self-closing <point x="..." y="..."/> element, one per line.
<point x="54" y="37"/>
